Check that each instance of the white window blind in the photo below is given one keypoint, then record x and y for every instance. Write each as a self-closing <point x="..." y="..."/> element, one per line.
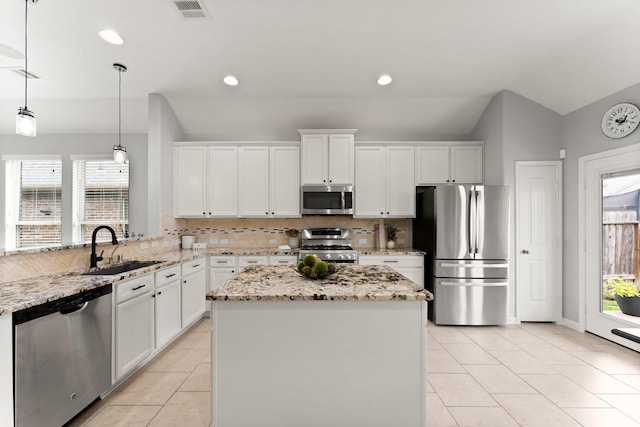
<point x="33" y="203"/>
<point x="100" y="197"/>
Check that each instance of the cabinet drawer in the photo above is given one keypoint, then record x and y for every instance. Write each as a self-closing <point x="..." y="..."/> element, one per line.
<point x="168" y="275"/>
<point x="193" y="266"/>
<point x="283" y="260"/>
<point x="134" y="287"/>
<point x="222" y="261"/>
<point x="392" y="260"/>
<point x="245" y="261"/>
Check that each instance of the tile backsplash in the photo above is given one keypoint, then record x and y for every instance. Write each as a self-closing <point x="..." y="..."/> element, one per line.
<point x="232" y="233"/>
<point x="270" y="232"/>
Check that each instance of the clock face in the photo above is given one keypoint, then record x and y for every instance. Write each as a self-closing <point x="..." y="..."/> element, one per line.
<point x="620" y="120"/>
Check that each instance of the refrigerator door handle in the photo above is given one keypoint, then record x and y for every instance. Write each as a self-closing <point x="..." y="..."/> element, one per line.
<point x="471" y="224"/>
<point x="448" y="264"/>
<point x="490" y="284"/>
<point x="480" y="220"/>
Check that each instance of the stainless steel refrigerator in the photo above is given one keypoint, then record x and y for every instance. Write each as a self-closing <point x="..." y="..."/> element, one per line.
<point x="464" y="229"/>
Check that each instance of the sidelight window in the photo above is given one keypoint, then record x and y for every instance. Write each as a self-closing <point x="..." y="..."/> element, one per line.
<point x="100" y="197"/>
<point x="33" y="197"/>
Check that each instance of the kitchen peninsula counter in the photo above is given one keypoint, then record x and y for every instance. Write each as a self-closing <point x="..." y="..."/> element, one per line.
<point x="347" y="350"/>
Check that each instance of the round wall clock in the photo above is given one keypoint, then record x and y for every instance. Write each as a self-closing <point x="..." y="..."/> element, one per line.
<point x="620" y="120"/>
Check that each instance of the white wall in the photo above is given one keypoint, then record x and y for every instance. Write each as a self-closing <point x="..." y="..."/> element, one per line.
<point x="582" y="136"/>
<point x="67" y="145"/>
<point x="516" y="128"/>
<point x="164" y="129"/>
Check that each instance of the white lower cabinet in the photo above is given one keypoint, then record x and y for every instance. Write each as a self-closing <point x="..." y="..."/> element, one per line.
<point x="249" y="260"/>
<point x="194" y="290"/>
<point x="221" y="268"/>
<point x="134" y="324"/>
<point x="168" y="318"/>
<point x="283" y="259"/>
<point x="410" y="266"/>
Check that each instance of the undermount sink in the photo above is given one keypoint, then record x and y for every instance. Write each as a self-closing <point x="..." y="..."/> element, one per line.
<point x="120" y="268"/>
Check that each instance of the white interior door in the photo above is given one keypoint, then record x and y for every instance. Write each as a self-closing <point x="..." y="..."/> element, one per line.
<point x="538" y="236"/>
<point x="592" y="169"/>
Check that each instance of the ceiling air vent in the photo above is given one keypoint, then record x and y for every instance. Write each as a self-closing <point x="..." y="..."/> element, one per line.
<point x="192" y="9"/>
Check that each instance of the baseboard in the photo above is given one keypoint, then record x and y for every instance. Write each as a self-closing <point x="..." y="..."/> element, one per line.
<point x="571" y="324"/>
<point x="513" y="321"/>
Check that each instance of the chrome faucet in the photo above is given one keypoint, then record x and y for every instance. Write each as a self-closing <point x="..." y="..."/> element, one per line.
<point x="94" y="257"/>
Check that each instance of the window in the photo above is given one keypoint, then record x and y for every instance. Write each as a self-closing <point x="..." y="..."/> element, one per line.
<point x="33" y="203"/>
<point x="100" y="197"/>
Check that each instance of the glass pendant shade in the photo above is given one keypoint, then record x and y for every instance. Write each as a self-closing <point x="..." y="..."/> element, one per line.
<point x="25" y="122"/>
<point x="119" y="154"/>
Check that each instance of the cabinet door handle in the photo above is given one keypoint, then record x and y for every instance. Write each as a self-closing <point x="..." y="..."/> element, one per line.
<point x="185" y="282"/>
<point x="221" y="262"/>
<point x="390" y="261"/>
<point x="159" y="292"/>
<point x="170" y="275"/>
<point x="283" y="262"/>
<point x="196" y="265"/>
<point x="252" y="262"/>
<point x="138" y="287"/>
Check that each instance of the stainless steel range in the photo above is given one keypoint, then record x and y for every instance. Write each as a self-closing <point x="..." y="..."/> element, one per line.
<point x="328" y="244"/>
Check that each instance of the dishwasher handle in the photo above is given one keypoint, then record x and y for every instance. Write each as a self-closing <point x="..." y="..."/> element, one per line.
<point x="73" y="308"/>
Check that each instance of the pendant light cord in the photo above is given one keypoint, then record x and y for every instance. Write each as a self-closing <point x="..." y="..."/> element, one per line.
<point x="26" y="72"/>
<point x="119" y="108"/>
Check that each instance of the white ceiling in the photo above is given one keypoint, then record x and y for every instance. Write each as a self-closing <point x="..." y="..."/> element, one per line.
<point x="314" y="63"/>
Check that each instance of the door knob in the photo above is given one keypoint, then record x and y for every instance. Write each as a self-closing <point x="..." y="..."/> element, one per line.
<point x="525" y="251"/>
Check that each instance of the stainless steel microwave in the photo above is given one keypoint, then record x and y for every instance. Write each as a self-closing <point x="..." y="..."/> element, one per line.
<point x="327" y="199"/>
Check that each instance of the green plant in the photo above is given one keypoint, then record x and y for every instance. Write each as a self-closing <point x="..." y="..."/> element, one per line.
<point x="391" y="233"/>
<point x="624" y="289"/>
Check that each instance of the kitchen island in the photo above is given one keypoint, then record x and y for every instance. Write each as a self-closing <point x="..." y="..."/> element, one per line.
<point x="348" y="350"/>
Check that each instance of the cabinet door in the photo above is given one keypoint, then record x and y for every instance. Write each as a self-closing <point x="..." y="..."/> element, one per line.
<point x="190" y="190"/>
<point x="340" y="161"/>
<point x="194" y="290"/>
<point x="223" y="181"/>
<point x="253" y="181"/>
<point x="370" y="182"/>
<point x="217" y="276"/>
<point x="134" y="333"/>
<point x="168" y="319"/>
<point x="432" y="165"/>
<point x="467" y="165"/>
<point x="314" y="159"/>
<point x="415" y="274"/>
<point x="401" y="188"/>
<point x="284" y="188"/>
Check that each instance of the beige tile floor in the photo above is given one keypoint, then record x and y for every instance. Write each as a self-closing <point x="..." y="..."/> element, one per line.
<point x="518" y="375"/>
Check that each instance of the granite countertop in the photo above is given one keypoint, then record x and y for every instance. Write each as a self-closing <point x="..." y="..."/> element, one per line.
<point x="349" y="283"/>
<point x="21" y="294"/>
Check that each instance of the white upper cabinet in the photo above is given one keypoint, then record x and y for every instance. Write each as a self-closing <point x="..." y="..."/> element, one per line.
<point x="284" y="187"/>
<point x="205" y="181"/>
<point x="327" y="156"/>
<point x="384" y="184"/>
<point x="460" y="164"/>
<point x="190" y="181"/>
<point x="223" y="182"/>
<point x="268" y="181"/>
<point x="253" y="181"/>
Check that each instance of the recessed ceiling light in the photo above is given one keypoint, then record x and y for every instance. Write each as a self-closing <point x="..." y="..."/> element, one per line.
<point x="384" y="80"/>
<point x="111" y="37"/>
<point x="230" y="81"/>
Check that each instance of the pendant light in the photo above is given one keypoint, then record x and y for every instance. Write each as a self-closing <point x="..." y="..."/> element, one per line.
<point x="119" y="152"/>
<point x="26" y="119"/>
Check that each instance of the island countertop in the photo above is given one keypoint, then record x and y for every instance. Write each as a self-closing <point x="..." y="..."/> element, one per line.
<point x="349" y="283"/>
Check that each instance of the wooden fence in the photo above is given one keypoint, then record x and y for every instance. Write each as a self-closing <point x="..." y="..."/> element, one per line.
<point x="620" y="245"/>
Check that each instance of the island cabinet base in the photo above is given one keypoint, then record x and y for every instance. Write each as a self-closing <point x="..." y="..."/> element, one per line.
<point x="318" y="363"/>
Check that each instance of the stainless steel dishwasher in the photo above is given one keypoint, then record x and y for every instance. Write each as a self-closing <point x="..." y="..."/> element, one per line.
<point x="62" y="357"/>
